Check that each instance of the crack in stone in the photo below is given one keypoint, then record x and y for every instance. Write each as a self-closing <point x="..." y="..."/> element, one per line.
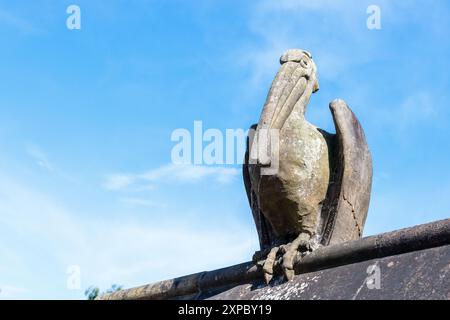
<point x="353" y="215"/>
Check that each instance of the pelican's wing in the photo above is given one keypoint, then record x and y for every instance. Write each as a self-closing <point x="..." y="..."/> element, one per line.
<point x="348" y="197"/>
<point x="263" y="228"/>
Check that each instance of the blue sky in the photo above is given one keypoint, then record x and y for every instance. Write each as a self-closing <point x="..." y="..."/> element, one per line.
<point x="86" y="118"/>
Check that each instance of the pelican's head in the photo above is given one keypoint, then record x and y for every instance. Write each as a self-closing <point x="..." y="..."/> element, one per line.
<point x="305" y="64"/>
<point x="294" y="84"/>
<point x="291" y="89"/>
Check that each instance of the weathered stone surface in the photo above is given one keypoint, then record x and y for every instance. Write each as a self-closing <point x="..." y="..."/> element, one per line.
<point x="319" y="190"/>
<point x="416" y="275"/>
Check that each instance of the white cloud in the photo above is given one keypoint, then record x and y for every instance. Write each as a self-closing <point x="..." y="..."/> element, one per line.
<point x="175" y="173"/>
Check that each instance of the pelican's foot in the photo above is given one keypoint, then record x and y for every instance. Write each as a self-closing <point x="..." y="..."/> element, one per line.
<point x="300" y="245"/>
<point x="260" y="256"/>
<point x="287" y="253"/>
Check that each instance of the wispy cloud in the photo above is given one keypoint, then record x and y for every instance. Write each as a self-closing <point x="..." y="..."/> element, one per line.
<point x="40" y="157"/>
<point x="119" y="181"/>
<point x="42" y="160"/>
<point x="175" y="173"/>
<point x="140" y="202"/>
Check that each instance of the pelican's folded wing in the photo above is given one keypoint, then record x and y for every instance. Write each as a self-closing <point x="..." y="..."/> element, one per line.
<point x="349" y="192"/>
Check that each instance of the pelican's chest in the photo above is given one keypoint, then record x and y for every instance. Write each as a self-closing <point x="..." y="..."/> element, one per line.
<point x="303" y="154"/>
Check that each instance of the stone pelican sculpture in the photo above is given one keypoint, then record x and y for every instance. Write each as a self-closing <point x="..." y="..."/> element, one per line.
<point x="319" y="193"/>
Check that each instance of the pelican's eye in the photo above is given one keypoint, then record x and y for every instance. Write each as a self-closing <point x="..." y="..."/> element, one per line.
<point x="304" y="63"/>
